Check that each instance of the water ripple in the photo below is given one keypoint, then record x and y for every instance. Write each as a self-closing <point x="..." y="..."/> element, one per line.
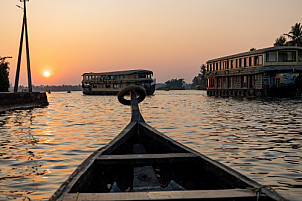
<point x="261" y="138"/>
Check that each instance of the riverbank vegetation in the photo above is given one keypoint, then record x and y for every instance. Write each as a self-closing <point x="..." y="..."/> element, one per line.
<point x="294" y="37"/>
<point x="173" y="84"/>
<point x="4" y="73"/>
<point x="200" y="81"/>
<point x="52" y="88"/>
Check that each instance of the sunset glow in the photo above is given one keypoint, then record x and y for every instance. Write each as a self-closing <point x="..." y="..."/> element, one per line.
<point x="46" y="74"/>
<point x="171" y="38"/>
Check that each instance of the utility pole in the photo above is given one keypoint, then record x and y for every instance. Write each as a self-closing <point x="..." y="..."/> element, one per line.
<point x="24" y="28"/>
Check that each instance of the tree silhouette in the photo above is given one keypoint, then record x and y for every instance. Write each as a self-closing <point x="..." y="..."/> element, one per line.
<point x="295" y="35"/>
<point x="280" y="41"/>
<point x="175" y="84"/>
<point x="200" y="81"/>
<point x="4" y="73"/>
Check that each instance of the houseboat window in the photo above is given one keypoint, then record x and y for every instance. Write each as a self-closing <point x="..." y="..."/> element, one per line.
<point x="245" y="62"/>
<point x="216" y="65"/>
<point x="142" y="76"/>
<point x="260" y="59"/>
<point x="212" y="82"/>
<point x="108" y="86"/>
<point x="244" y="81"/>
<point x="218" y="82"/>
<point x="300" y="55"/>
<point x="256" y="61"/>
<point x="115" y="86"/>
<point x="229" y="82"/>
<point x="121" y="85"/>
<point x="240" y="63"/>
<point x="286" y="56"/>
<point x="271" y="56"/>
<point x="250" y="61"/>
<point x="232" y="64"/>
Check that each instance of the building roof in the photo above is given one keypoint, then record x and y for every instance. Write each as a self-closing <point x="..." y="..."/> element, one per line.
<point x="256" y="52"/>
<point x="127" y="72"/>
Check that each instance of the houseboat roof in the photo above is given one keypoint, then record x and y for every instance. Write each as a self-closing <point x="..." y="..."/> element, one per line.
<point x="256" y="52"/>
<point x="127" y="72"/>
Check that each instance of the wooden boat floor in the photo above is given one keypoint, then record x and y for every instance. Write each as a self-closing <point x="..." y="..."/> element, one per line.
<point x="144" y="158"/>
<point x="225" y="194"/>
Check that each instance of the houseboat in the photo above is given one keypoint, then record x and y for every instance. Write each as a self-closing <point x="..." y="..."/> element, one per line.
<point x="269" y="72"/>
<point x="110" y="83"/>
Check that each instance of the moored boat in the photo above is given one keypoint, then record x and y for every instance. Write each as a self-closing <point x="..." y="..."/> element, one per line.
<point x="110" y="83"/>
<point x="143" y="164"/>
<point x="269" y="72"/>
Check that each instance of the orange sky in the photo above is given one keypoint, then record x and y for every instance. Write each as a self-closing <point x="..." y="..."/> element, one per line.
<point x="170" y="37"/>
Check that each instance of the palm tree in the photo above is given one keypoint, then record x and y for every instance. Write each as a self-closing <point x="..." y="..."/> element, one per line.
<point x="280" y="41"/>
<point x="295" y="35"/>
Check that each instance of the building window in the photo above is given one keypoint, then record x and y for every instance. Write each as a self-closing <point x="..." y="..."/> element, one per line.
<point x="240" y="63"/>
<point x="286" y="56"/>
<point x="271" y="56"/>
<point x="256" y="60"/>
<point x="300" y="55"/>
<point x="115" y="86"/>
<point x="244" y="81"/>
<point x="245" y="62"/>
<point x="260" y="59"/>
<point x="229" y="82"/>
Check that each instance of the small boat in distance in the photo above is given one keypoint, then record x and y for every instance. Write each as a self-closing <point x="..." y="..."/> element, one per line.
<point x="110" y="83"/>
<point x="143" y="164"/>
<point x="68" y="91"/>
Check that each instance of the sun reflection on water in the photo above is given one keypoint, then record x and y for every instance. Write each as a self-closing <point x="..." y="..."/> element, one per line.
<point x="40" y="148"/>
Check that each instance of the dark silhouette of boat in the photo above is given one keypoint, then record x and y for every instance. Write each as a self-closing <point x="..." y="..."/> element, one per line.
<point x="143" y="164"/>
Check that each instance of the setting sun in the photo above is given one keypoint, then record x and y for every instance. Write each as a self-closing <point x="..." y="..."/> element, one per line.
<point x="46" y="74"/>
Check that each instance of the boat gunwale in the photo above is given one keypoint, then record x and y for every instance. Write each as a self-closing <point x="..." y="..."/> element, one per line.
<point x="87" y="163"/>
<point x="137" y="122"/>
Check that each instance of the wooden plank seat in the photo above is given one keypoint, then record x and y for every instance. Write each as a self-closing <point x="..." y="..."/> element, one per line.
<point x="224" y="194"/>
<point x="140" y="159"/>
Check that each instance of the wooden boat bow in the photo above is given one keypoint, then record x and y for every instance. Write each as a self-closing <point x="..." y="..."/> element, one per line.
<point x="143" y="164"/>
<point x="133" y="90"/>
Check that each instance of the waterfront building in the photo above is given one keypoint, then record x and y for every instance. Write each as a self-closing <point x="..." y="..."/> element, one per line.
<point x="271" y="72"/>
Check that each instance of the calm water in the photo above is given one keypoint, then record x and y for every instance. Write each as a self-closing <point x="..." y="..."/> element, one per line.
<point x="262" y="139"/>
